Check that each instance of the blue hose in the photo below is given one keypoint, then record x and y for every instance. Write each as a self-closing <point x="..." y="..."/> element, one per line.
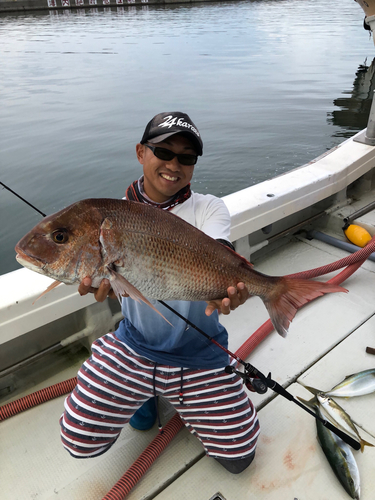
<point x="344" y="245"/>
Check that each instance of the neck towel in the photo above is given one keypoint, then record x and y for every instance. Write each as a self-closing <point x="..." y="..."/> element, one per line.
<point x="135" y="192"/>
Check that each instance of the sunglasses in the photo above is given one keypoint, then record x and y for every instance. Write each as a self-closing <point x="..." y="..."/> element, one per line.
<point x="168" y="155"/>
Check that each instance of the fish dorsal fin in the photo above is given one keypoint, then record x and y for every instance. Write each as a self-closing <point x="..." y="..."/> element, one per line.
<point x="121" y="285"/>
<point x="53" y="285"/>
<point x="245" y="262"/>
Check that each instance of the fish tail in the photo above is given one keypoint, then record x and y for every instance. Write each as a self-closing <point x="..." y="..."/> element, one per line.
<point x="289" y="295"/>
<point x="364" y="443"/>
<point x="311" y="403"/>
<point x="312" y="390"/>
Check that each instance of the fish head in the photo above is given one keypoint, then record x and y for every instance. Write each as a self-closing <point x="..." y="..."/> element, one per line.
<point x="65" y="245"/>
<point x="323" y="398"/>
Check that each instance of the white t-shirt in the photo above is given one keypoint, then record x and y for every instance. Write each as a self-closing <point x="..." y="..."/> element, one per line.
<point x="147" y="333"/>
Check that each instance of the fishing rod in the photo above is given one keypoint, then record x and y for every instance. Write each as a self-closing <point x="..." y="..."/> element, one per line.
<point x="23" y="199"/>
<point x="253" y="378"/>
<point x="256" y="380"/>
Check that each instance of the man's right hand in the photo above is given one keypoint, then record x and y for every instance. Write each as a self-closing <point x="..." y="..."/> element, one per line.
<point x="100" y="293"/>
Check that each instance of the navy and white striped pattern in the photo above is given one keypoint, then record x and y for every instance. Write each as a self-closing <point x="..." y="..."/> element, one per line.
<point x="114" y="382"/>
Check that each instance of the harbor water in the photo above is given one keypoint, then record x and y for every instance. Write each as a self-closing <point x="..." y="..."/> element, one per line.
<point x="271" y="84"/>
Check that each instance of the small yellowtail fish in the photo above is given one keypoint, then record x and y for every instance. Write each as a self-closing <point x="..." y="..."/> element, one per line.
<point x="338" y="454"/>
<point x="337" y="415"/>
<point x="358" y="384"/>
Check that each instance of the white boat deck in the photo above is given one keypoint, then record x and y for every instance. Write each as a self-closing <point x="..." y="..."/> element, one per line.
<point x="326" y="342"/>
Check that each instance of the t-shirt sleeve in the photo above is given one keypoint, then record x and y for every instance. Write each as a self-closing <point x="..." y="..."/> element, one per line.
<point x="215" y="220"/>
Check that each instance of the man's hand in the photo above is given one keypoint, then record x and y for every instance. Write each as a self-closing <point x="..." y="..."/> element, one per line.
<point x="100" y="293"/>
<point x="235" y="298"/>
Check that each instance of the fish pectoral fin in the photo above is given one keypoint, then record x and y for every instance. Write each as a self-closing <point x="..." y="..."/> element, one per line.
<point x="53" y="285"/>
<point x="121" y="285"/>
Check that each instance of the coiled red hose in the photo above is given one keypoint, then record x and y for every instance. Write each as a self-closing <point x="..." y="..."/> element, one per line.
<point x="145" y="459"/>
<point x="259" y="335"/>
<point x="36" y="398"/>
<point x="353" y="261"/>
<point x="153" y="450"/>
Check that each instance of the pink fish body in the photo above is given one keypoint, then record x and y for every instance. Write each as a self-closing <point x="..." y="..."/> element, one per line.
<point x="150" y="253"/>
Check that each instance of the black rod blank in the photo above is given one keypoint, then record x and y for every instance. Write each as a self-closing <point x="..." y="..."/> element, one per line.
<point x="23" y="199"/>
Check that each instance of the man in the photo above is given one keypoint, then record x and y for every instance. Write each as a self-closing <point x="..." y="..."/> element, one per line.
<point x="146" y="356"/>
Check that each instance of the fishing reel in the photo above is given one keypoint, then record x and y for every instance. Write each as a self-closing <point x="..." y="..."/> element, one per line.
<point x="257" y="382"/>
<point x="254" y="384"/>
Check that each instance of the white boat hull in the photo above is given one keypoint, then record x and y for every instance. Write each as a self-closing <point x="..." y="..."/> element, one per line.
<point x="326" y="342"/>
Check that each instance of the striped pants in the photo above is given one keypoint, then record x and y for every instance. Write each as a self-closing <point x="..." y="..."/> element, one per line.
<point x="115" y="381"/>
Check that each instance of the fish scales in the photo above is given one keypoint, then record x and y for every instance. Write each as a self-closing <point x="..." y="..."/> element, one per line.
<point x="340" y="458"/>
<point x="357" y="384"/>
<point x="337" y="452"/>
<point x="337" y="415"/>
<point x="179" y="251"/>
<point x="153" y="254"/>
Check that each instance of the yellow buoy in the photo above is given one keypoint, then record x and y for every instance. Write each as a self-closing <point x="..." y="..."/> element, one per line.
<point x="357" y="235"/>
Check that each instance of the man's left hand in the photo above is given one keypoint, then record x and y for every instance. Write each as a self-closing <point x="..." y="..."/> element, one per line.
<point x="235" y="298"/>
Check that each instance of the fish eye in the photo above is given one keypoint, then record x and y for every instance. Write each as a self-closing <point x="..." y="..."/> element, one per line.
<point x="60" y="236"/>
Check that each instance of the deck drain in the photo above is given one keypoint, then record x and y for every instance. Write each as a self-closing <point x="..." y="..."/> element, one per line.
<point x="218" y="496"/>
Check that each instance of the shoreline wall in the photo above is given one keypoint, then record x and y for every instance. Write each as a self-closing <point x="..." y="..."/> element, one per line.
<point x="55" y="5"/>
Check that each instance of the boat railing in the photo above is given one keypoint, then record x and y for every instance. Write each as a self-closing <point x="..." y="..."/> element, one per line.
<point x="253" y="210"/>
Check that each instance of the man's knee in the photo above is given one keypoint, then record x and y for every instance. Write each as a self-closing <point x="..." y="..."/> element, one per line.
<point x="235" y="466"/>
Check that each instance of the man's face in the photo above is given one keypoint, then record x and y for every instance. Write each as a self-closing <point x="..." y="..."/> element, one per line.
<point x="163" y="179"/>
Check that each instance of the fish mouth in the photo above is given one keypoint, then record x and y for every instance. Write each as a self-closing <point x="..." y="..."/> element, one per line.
<point x="30" y="262"/>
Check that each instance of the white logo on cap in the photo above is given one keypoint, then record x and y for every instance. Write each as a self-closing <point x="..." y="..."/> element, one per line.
<point x="170" y="120"/>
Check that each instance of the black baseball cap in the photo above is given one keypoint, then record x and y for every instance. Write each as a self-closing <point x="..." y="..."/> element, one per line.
<point x="165" y="125"/>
